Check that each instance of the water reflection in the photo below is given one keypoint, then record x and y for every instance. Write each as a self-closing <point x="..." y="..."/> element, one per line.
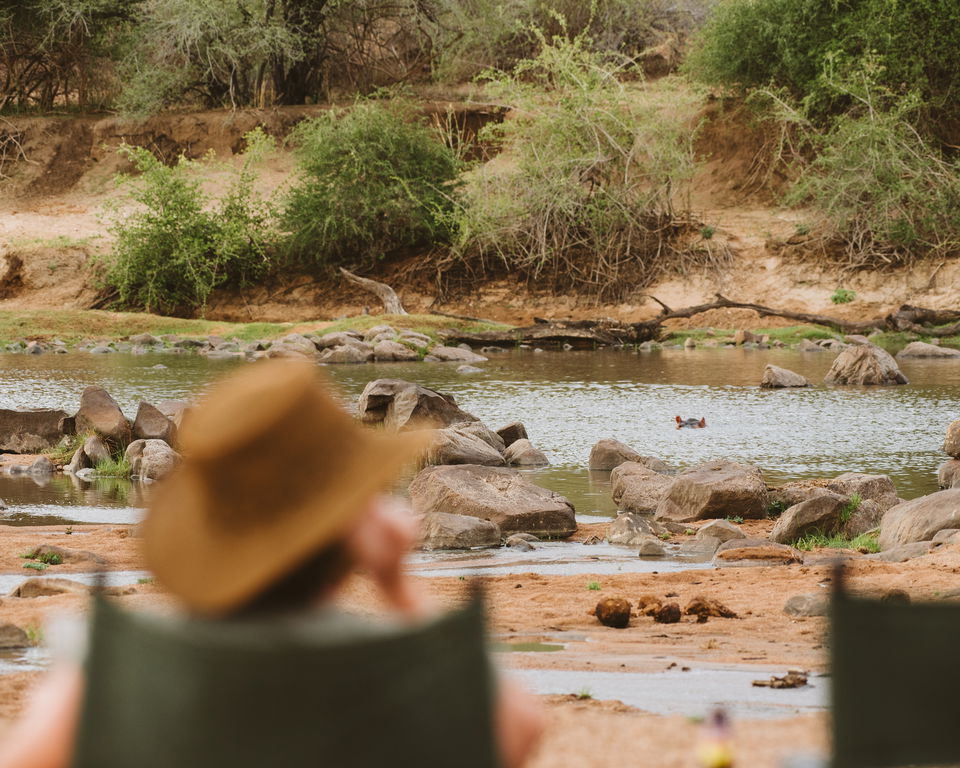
<point x="63" y="499"/>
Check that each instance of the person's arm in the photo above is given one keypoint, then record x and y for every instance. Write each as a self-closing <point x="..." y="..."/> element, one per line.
<point x="43" y="736"/>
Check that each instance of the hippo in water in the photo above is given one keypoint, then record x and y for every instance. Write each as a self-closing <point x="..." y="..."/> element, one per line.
<point x="692" y="423"/>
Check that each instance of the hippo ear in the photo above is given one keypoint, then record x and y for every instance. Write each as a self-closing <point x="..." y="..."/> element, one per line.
<point x="702" y="422"/>
<point x="679" y="420"/>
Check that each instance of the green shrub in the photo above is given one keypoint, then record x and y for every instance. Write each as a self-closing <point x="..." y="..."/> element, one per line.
<point x="171" y="253"/>
<point x="583" y="193"/>
<point x="843" y="296"/>
<point x="371" y="180"/>
<point x="818" y="540"/>
<point x="887" y="194"/>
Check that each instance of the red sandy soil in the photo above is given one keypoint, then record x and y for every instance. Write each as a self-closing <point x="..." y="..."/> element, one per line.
<point x="532" y="606"/>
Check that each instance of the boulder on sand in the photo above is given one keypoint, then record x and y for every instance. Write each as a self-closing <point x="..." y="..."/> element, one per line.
<point x="715" y="489"/>
<point x="100" y="413"/>
<point x="864" y="364"/>
<point x="31" y="431"/>
<point x="760" y="551"/>
<point x="920" y="519"/>
<point x="637" y="488"/>
<point x="397" y="404"/>
<point x="775" y="377"/>
<point x="441" y="530"/>
<point x="821" y="513"/>
<point x="722" y="530"/>
<point x="502" y="496"/>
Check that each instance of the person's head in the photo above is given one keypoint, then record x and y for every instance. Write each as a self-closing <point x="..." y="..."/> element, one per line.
<point x="276" y="486"/>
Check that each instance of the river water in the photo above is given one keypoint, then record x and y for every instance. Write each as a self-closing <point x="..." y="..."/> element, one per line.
<point x="568" y="401"/>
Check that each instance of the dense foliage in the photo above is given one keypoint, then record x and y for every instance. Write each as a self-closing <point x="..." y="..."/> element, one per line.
<point x="371" y="180"/>
<point x="176" y="248"/>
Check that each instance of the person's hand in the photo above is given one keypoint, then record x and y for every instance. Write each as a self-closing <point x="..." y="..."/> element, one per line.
<point x="378" y="544"/>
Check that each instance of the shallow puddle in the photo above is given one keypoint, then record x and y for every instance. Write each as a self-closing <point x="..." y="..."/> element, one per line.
<point x="693" y="693"/>
<point x="33" y="659"/>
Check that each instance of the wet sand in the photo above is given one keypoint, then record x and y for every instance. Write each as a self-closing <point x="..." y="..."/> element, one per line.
<point x="558" y="609"/>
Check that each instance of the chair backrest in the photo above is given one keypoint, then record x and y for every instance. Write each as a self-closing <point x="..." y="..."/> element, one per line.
<point x="166" y="693"/>
<point x="895" y="686"/>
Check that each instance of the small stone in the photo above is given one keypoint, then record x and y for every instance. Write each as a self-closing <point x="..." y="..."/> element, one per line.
<point x="11" y="636"/>
<point x="651" y="546"/>
<point x="518" y="542"/>
<point x="806" y="605"/>
<point x="468" y="369"/>
<point x="613" y="612"/>
<point x="706" y="607"/>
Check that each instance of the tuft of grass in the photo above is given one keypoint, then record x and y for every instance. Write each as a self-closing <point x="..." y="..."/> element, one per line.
<point x="843" y="296"/>
<point x="734" y="519"/>
<point x="819" y="540"/>
<point x="850" y="507"/>
<point x="35" y="566"/>
<point x="146" y="580"/>
<point x="34" y="635"/>
<point x="775" y="509"/>
<point x="584" y="694"/>
<point x="115" y="466"/>
<point x="65" y="450"/>
<point x="594" y="586"/>
<point x="707" y="232"/>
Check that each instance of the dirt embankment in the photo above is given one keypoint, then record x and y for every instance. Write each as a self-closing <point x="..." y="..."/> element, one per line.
<point x="54" y="221"/>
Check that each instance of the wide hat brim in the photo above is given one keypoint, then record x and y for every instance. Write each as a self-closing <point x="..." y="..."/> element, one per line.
<point x="215" y="560"/>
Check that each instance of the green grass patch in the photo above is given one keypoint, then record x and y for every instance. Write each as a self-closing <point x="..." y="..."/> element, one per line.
<point x="115" y="466"/>
<point x="791" y="334"/>
<point x="35" y="566"/>
<point x="594" y="586"/>
<point x="850" y="507"/>
<point x="818" y="540"/>
<point x="65" y="449"/>
<point x="430" y="325"/>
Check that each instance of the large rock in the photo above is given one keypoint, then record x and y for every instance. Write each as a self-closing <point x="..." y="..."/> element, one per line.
<point x="151" y="423"/>
<point x="866" y="517"/>
<point x="393" y="351"/>
<point x="455" y="355"/>
<point x="442" y="530"/>
<point x="793" y="493"/>
<point x="922" y="349"/>
<point x="337" y="339"/>
<point x="822" y="513"/>
<point x="522" y="453"/>
<point x="512" y="432"/>
<point x="775" y="377"/>
<point x="31" y="431"/>
<point x="399" y="404"/>
<point x="151" y="459"/>
<point x="11" y="636"/>
<point x="482" y="431"/>
<point x="630" y="530"/>
<point x="96" y="450"/>
<point x="347" y="354"/>
<point x="637" y="488"/>
<point x="721" y="530"/>
<point x="948" y="476"/>
<point x="48" y="587"/>
<point x="864" y="364"/>
<point x="920" y="519"/>
<point x="100" y="413"/>
<point x="502" y="496"/>
<point x="607" y="454"/>
<point x="174" y="410"/>
<point x="452" y="446"/>
<point x="951" y="443"/>
<point x="712" y="490"/>
<point x="902" y="552"/>
<point x="879" y="488"/>
<point x="756" y="551"/>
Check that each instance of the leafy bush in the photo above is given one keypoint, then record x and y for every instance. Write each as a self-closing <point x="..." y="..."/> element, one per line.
<point x="843" y="296"/>
<point x="889" y="196"/>
<point x="371" y="180"/>
<point x="805" y="45"/>
<point x="173" y="252"/>
<point x="583" y="192"/>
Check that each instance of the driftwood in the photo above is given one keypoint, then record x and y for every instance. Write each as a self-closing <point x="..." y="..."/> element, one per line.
<point x="386" y="294"/>
<point x="586" y="333"/>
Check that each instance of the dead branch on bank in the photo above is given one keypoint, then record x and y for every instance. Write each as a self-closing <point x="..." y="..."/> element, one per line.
<point x="386" y="294"/>
<point x="585" y="333"/>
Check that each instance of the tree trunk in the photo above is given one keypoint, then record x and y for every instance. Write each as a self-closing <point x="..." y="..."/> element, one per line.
<point x="386" y="294"/>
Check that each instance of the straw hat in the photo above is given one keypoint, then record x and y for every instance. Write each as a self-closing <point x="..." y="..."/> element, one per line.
<point x="273" y="470"/>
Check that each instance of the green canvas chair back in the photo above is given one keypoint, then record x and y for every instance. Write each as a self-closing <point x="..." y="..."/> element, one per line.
<point x="177" y="693"/>
<point x="895" y="682"/>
